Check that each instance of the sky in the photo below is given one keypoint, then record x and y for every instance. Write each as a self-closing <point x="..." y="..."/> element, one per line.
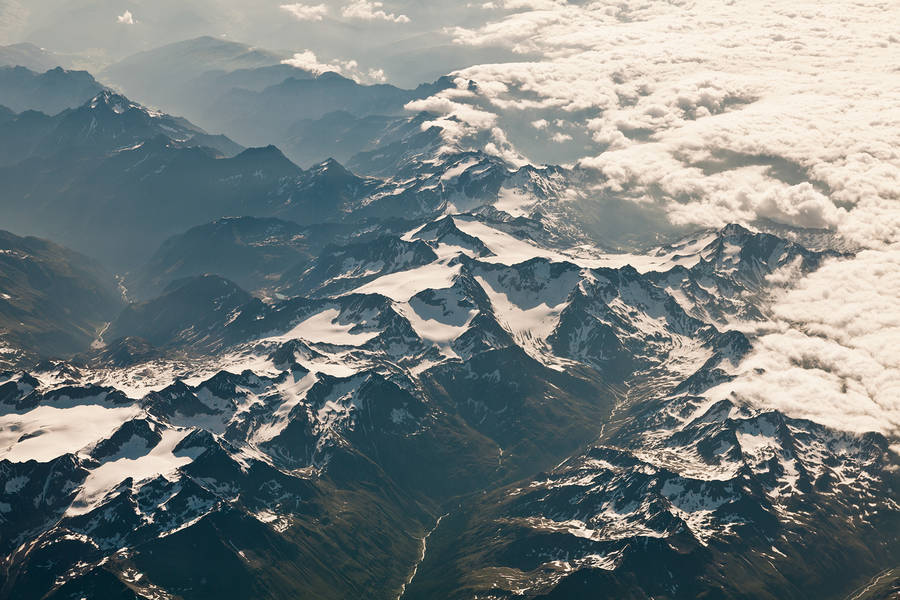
<point x="701" y="112"/>
<point x="408" y="40"/>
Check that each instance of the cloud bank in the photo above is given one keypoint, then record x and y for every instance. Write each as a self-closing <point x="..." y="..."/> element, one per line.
<point x="834" y="356"/>
<point x="720" y="111"/>
<point x="715" y="112"/>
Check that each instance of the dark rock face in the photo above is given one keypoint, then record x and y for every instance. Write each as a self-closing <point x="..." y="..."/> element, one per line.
<point x="53" y="302"/>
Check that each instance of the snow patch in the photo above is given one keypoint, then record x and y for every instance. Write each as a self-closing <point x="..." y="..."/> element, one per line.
<point x="48" y="432"/>
<point x="159" y="461"/>
<point x="327" y="327"/>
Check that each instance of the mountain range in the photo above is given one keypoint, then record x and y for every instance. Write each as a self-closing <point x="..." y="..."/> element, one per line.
<point x="417" y="372"/>
<point x="106" y="165"/>
<point x="29" y="56"/>
<point x="50" y="92"/>
<point x="252" y="94"/>
<point x="436" y="378"/>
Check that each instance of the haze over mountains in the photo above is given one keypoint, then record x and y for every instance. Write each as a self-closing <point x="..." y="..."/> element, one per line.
<point x="51" y="92"/>
<point x="294" y="326"/>
<point x="249" y="93"/>
<point x="413" y="49"/>
<point x="29" y="56"/>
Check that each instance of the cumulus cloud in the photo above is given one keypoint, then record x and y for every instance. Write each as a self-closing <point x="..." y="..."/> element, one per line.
<point x="466" y="125"/>
<point x="834" y="356"/>
<point x="306" y="12"/>
<point x="713" y="112"/>
<point x="126" y="18"/>
<point x="371" y="11"/>
<point x="465" y="113"/>
<point x="811" y="88"/>
<point x="308" y="61"/>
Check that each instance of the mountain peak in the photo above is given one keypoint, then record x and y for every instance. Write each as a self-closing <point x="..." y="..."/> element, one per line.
<point x="49" y="91"/>
<point x="269" y="157"/>
<point x="268" y="150"/>
<point x="734" y="230"/>
<point x="331" y="168"/>
<point x="328" y="163"/>
<point x="109" y="100"/>
<point x="332" y="76"/>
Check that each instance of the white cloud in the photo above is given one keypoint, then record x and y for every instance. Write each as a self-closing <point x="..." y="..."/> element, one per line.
<point x="308" y="61"/>
<point x="523" y="4"/>
<point x="834" y="356"/>
<point x="714" y="112"/>
<point x="464" y="124"/>
<point x="479" y="119"/>
<point x="371" y="11"/>
<point x="811" y="89"/>
<point x="306" y="12"/>
<point x="126" y="18"/>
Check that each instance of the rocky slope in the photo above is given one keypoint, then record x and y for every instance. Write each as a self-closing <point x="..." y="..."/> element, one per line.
<point x="563" y="411"/>
<point x="52" y="301"/>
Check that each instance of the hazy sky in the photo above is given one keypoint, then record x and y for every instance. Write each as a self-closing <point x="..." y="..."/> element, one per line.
<point x="408" y="40"/>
